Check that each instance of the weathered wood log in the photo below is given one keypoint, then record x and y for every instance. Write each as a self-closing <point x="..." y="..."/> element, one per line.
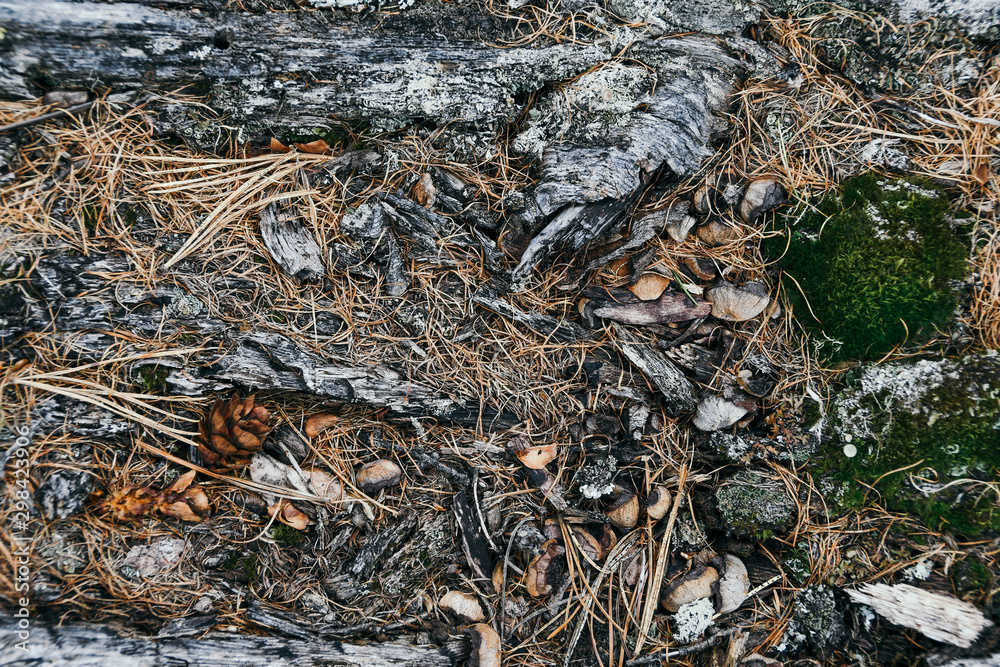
<point x="437" y="62"/>
<point x="433" y="62"/>
<point x="76" y="302"/>
<point x="89" y="645"/>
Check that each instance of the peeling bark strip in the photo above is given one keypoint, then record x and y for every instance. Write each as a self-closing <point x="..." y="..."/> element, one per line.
<point x="88" y="645"/>
<point x="80" y="303"/>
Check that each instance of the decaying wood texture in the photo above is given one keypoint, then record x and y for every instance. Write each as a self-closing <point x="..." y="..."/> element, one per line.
<point x="75" y="301"/>
<point x="89" y="645"/>
<point x="366" y="562"/>
<point x="678" y="393"/>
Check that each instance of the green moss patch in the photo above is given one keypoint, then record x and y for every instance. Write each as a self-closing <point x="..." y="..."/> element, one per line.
<point x="870" y="268"/>
<point x="917" y="427"/>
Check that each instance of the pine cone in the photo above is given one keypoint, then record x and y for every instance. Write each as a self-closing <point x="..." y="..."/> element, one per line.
<point x="131" y="502"/>
<point x="182" y="500"/>
<point x="231" y="432"/>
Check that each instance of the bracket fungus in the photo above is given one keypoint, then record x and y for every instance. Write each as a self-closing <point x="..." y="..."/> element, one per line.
<point x="378" y="475"/>
<point x="695" y="585"/>
<point x="463" y="606"/>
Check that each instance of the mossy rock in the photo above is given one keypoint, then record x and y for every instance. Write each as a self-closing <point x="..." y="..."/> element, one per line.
<point x="943" y="416"/>
<point x="753" y="503"/>
<point x="871" y="267"/>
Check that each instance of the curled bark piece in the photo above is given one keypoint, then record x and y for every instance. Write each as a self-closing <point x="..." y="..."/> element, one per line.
<point x="737" y="304"/>
<point x="761" y="196"/>
<point x="485" y="646"/>
<point x="703" y="269"/>
<point x="734" y="584"/>
<point x="624" y="510"/>
<point x="658" y="503"/>
<point x="589" y="544"/>
<point x="650" y="286"/>
<point x="716" y="233"/>
<point x="463" y="606"/>
<point x="289" y="514"/>
<point x="531" y="455"/>
<point x="542" y="570"/>
<point x="290" y="244"/>
<point x="940" y="617"/>
<point x="716" y="413"/>
<point x="378" y="475"/>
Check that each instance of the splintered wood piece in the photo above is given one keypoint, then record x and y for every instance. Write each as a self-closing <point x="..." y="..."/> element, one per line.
<point x="474" y="542"/>
<point x="678" y="392"/>
<point x="670" y="307"/>
<point x="97" y="645"/>
<point x="365" y="564"/>
<point x="939" y="617"/>
<point x="290" y="244"/>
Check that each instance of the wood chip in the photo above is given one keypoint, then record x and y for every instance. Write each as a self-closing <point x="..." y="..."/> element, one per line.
<point x="939" y="617"/>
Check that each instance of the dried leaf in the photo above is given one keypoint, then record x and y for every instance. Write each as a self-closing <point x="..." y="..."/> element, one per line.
<point x="279" y="147"/>
<point x="424" y="192"/>
<point x="318" y="147"/>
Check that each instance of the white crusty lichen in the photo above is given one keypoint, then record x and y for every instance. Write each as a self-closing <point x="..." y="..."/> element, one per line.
<point x="692" y="619"/>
